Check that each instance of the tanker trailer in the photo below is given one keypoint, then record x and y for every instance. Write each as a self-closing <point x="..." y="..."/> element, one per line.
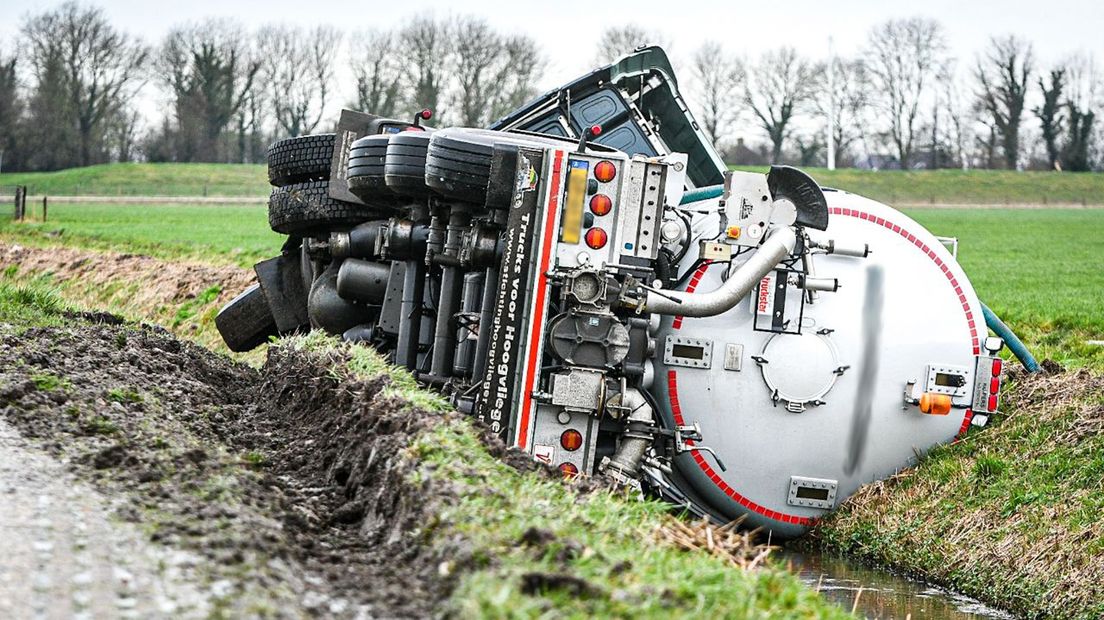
<point x="610" y="299"/>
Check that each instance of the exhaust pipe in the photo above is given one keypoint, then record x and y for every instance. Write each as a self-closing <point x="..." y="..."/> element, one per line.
<point x="740" y="282"/>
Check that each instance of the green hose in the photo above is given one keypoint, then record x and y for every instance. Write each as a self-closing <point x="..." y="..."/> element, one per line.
<point x="1015" y="345"/>
<point x="702" y="193"/>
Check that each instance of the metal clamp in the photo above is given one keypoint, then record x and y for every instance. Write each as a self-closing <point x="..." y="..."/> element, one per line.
<point x="683" y="434"/>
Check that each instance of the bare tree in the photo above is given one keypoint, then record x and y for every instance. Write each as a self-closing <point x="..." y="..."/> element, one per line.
<point x="906" y="57"/>
<point x="1050" y="115"/>
<point x="476" y="52"/>
<point x="425" y="44"/>
<point x="1083" y="100"/>
<point x="617" y="41"/>
<point x="298" y="70"/>
<point x="209" y="73"/>
<point x="378" y="74"/>
<point x="850" y="90"/>
<point x="99" y="69"/>
<point x="958" y="128"/>
<point x="717" y="77"/>
<point x="775" y="88"/>
<point x="1003" y="75"/>
<point x="518" y="70"/>
<point x="11" y="109"/>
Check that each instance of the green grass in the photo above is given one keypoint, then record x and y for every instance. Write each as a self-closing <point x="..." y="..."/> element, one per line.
<point x="235" y="234"/>
<point x="31" y="303"/>
<point x="1042" y="271"/>
<point x="147" y="180"/>
<point x="891" y="186"/>
<point x="992" y="187"/>
<point x="1012" y="514"/>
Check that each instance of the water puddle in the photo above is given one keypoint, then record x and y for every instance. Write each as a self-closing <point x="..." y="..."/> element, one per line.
<point x="880" y="594"/>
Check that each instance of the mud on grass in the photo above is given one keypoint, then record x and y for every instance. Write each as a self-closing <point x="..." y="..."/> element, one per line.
<point x="1012" y="514"/>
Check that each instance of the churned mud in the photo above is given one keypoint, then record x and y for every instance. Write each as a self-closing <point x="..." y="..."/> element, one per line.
<point x="289" y="486"/>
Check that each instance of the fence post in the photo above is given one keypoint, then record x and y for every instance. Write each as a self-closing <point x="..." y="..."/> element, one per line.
<point x="43" y="208"/>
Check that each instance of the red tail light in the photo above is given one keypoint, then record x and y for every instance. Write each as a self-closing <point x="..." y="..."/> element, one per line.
<point x="998" y="365"/>
<point x="994" y="385"/>
<point x="600" y="204"/>
<point x="569" y="470"/>
<point x="571" y="439"/>
<point x="596" y="238"/>
<point x="604" y="171"/>
<point x="992" y="402"/>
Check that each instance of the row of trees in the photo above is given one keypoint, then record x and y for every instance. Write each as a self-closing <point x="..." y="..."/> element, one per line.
<point x="903" y="101"/>
<point x="70" y="95"/>
<point x="70" y="92"/>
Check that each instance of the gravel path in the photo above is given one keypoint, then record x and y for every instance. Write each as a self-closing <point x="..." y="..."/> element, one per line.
<point x="63" y="556"/>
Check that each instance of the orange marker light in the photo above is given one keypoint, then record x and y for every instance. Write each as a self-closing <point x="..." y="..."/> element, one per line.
<point x="935" y="404"/>
<point x="571" y="440"/>
<point x="604" y="171"/>
<point x="600" y="204"/>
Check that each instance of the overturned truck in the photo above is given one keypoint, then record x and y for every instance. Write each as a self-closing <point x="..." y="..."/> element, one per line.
<point x="588" y="279"/>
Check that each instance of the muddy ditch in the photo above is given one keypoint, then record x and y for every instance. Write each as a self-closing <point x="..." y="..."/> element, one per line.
<point x="284" y="479"/>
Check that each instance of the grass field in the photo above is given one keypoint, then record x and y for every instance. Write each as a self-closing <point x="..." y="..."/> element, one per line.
<point x="891" y="186"/>
<point x="235" y="234"/>
<point x="147" y="180"/>
<point x="991" y="187"/>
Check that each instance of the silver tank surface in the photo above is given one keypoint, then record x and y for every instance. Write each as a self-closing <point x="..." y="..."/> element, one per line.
<point x="800" y="421"/>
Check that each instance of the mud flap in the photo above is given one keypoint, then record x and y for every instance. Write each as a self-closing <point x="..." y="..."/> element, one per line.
<point x="805" y="194"/>
<point x="281" y="279"/>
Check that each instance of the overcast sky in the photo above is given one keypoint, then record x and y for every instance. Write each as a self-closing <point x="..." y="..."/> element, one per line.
<point x="567" y="29"/>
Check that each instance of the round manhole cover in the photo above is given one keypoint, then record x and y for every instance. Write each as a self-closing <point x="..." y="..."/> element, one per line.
<point x="799" y="368"/>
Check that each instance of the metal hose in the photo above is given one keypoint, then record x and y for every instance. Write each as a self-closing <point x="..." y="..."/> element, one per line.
<point x="739" y="283"/>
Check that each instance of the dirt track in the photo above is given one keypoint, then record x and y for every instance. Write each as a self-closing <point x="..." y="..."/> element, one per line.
<point x="281" y="485"/>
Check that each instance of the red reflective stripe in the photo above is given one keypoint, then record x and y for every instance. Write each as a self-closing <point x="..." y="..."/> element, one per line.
<point x="538" y="306"/>
<point x="707" y="469"/>
<point x="946" y="272"/>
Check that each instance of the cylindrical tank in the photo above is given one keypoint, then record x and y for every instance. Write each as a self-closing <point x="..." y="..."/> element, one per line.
<point x="801" y="420"/>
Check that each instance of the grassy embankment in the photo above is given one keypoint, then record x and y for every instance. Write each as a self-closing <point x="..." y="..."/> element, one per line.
<point x="146" y="180"/>
<point x="538" y="546"/>
<point x="953" y="187"/>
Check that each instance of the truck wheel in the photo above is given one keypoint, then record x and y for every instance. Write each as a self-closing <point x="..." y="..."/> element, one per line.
<point x="300" y="159"/>
<point x="246" y="322"/>
<point x="365" y="172"/>
<point x="458" y="161"/>
<point x="404" y="166"/>
<point x="305" y="208"/>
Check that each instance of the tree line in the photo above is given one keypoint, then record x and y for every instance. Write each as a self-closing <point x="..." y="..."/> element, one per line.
<point x="901" y="102"/>
<point x="70" y="91"/>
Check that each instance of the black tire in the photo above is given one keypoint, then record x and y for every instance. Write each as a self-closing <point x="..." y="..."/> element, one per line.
<point x="300" y="160"/>
<point x="306" y="208"/>
<point x="246" y="322"/>
<point x="365" y="171"/>
<point x="458" y="161"/>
